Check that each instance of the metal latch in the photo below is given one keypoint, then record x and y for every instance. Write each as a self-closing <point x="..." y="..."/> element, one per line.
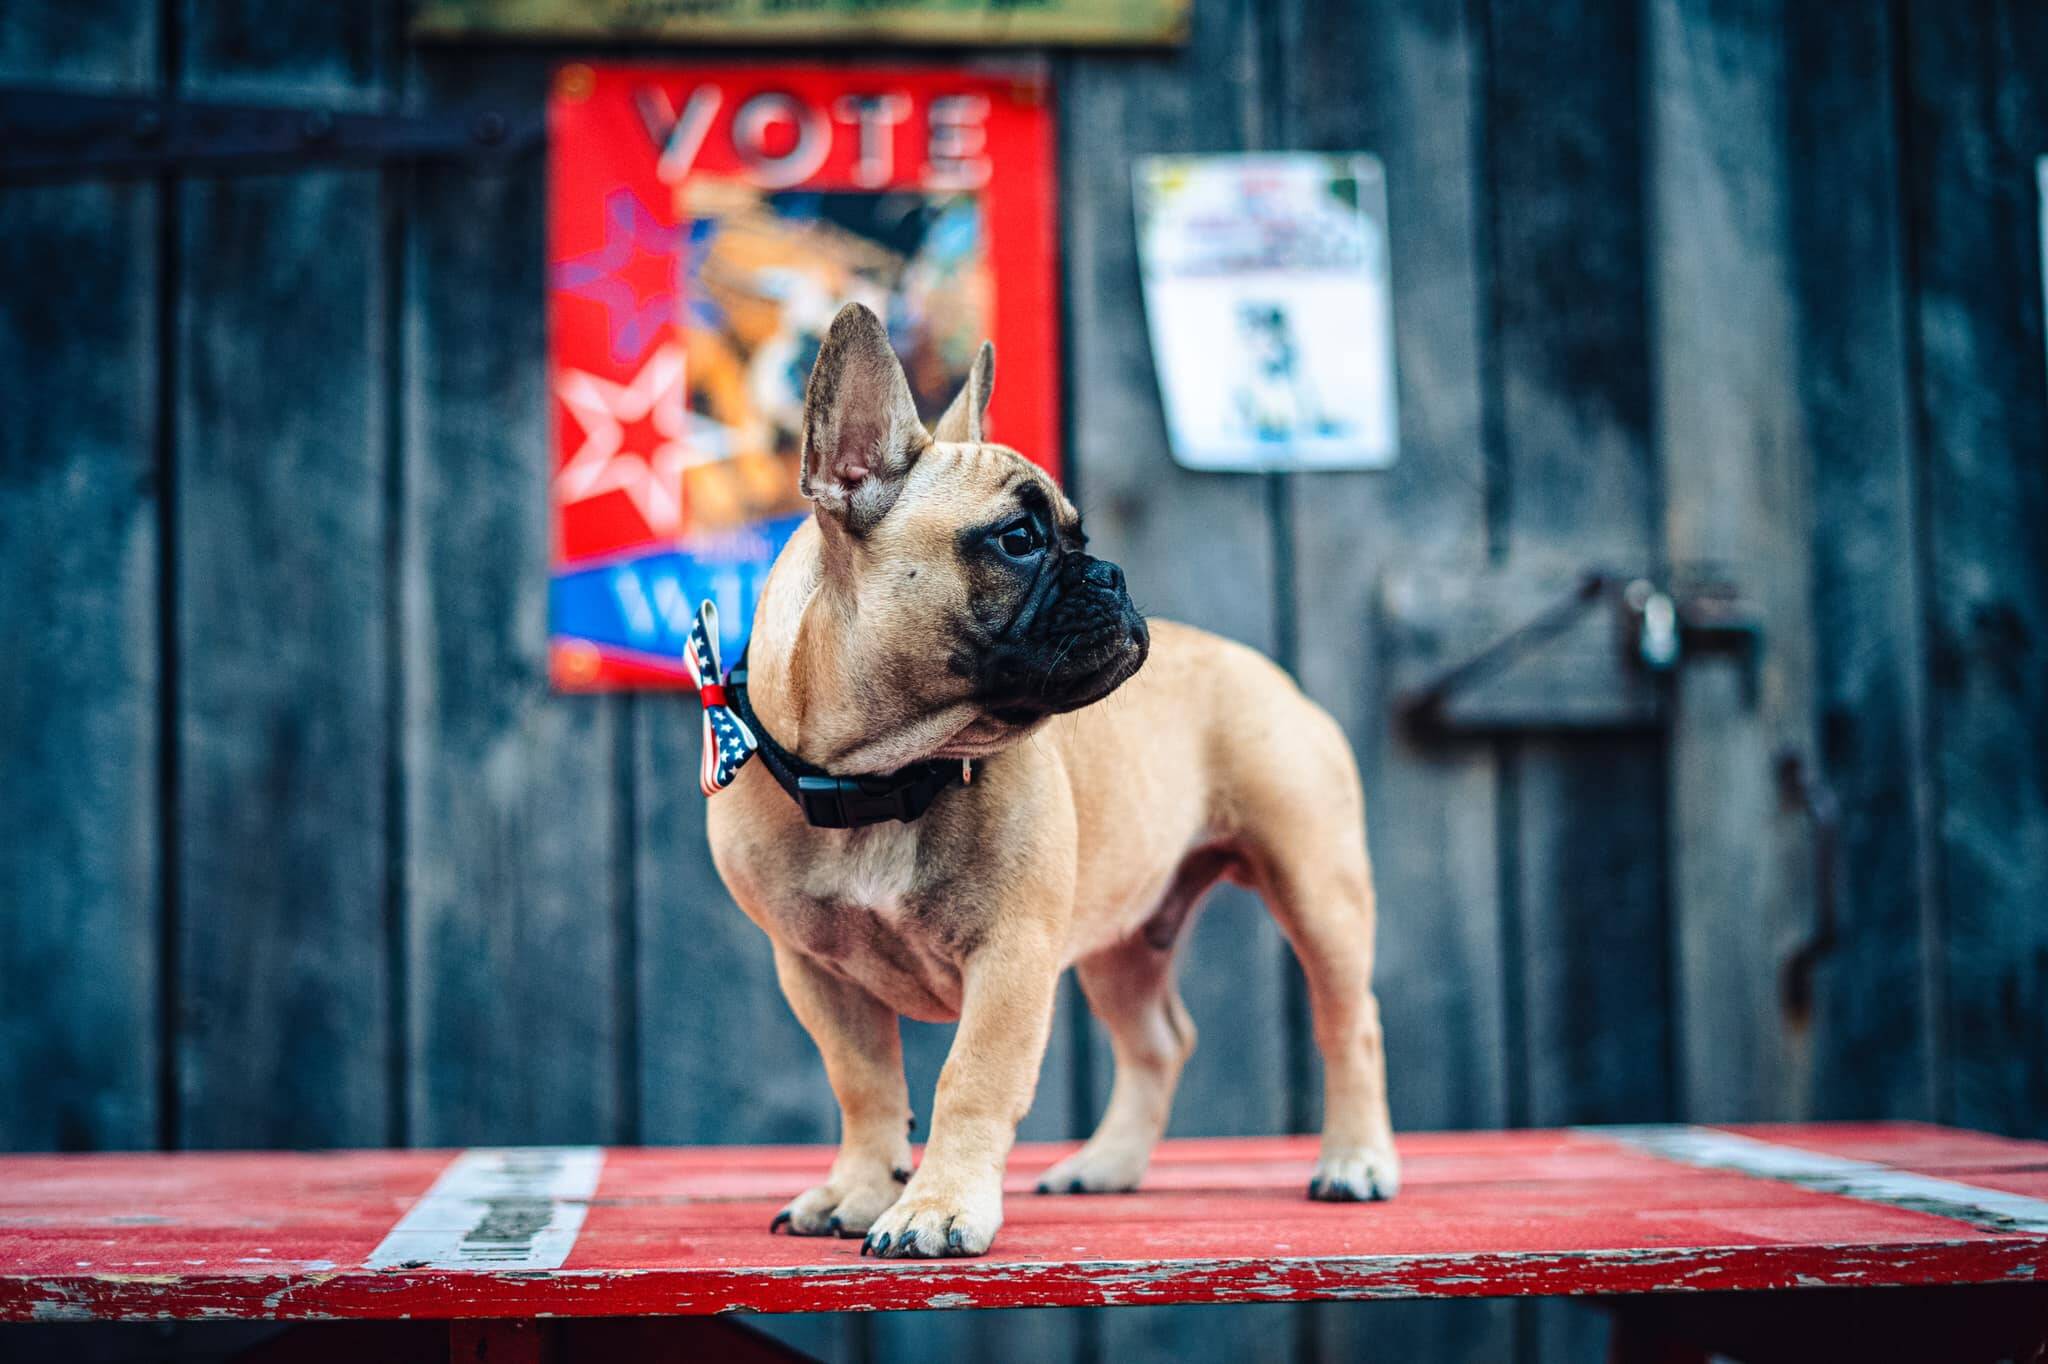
<point x="1496" y="656"/>
<point x="1671" y="624"/>
<point x="1656" y="625"/>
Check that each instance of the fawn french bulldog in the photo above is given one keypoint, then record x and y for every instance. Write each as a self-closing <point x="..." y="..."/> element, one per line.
<point x="980" y="765"/>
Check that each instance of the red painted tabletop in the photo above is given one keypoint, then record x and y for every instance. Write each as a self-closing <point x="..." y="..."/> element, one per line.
<point x="584" y="1231"/>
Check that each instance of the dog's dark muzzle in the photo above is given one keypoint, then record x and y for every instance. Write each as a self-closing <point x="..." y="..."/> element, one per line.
<point x="1078" y="639"/>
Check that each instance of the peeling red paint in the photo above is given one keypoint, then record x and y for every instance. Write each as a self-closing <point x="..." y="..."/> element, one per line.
<point x="684" y="1232"/>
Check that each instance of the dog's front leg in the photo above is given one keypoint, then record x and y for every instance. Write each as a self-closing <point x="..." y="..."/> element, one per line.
<point x="858" y="1038"/>
<point x="954" y="1203"/>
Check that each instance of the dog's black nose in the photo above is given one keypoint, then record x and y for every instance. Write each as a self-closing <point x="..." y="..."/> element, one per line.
<point x="1106" y="576"/>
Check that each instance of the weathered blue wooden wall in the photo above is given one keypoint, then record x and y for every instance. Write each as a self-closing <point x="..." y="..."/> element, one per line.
<point x="297" y="848"/>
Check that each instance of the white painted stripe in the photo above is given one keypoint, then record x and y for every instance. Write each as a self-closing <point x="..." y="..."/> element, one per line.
<point x="1708" y="1149"/>
<point x="497" y="1208"/>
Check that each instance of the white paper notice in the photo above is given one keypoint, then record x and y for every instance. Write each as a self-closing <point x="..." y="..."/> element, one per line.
<point x="1269" y="302"/>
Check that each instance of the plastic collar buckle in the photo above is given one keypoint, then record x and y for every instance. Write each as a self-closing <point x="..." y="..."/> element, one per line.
<point x="850" y="802"/>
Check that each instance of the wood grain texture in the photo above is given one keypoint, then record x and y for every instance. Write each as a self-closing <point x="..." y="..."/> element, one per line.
<point x="994" y="23"/>
<point x="1402" y="81"/>
<point x="1401" y="87"/>
<point x="1978" y="104"/>
<point x="1666" y="278"/>
<point x="719" y="1056"/>
<point x="722" y="1057"/>
<point x="674" y="1232"/>
<point x="95" y="44"/>
<point x="284" y="724"/>
<point x="341" y="54"/>
<point x="1735" y="503"/>
<point x="512" y="794"/>
<point x="1195" y="547"/>
<point x="80" y="833"/>
<point x="1570" y="673"/>
<point x="1579" y="486"/>
<point x="1873" y="1029"/>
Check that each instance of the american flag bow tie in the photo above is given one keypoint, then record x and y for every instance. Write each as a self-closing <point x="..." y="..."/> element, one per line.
<point x="728" y="743"/>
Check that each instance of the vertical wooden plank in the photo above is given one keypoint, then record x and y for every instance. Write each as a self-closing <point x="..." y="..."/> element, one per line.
<point x="284" y="703"/>
<point x="1401" y="84"/>
<point x="1735" y="503"/>
<point x="511" y="796"/>
<point x="1195" y="547"/>
<point x="79" y="818"/>
<point x="1978" y="108"/>
<point x="1580" y="492"/>
<point x="1589" y="1041"/>
<point x="1872" y="1039"/>
<point x="1401" y="80"/>
<point x="720" y="1057"/>
<point x="102" y="45"/>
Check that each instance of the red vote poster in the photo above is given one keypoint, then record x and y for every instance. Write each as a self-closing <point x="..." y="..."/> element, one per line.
<point x="705" y="224"/>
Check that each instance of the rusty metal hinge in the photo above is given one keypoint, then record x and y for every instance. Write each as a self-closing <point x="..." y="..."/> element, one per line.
<point x="1426" y="706"/>
<point x="1801" y="788"/>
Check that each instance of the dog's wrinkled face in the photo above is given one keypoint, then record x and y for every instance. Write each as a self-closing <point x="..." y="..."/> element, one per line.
<point x="967" y="567"/>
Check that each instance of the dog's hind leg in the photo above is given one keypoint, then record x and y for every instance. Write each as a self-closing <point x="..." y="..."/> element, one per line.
<point x="1130" y="987"/>
<point x="1318" y="884"/>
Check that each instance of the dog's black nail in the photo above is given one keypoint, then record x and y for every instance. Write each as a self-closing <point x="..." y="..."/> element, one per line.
<point x="1076" y="1186"/>
<point x="953" y="1241"/>
<point x="900" y="1176"/>
<point x="1315" y="1187"/>
<point x="1044" y="1187"/>
<point x="867" y="1244"/>
<point x="882" y="1244"/>
<point x="781" y="1221"/>
<point x="833" y="1225"/>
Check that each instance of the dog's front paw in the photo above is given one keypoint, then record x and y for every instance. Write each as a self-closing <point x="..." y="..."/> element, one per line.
<point x="840" y="1207"/>
<point x="1097" y="1169"/>
<point x="927" y="1225"/>
<point x="1366" y="1174"/>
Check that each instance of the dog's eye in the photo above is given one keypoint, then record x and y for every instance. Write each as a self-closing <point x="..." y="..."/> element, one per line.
<point x="1021" y="538"/>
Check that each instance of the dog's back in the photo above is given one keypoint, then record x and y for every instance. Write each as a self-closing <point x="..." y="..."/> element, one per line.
<point x="1210" y="749"/>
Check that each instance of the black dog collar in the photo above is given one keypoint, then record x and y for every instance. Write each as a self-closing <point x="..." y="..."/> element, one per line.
<point x="830" y="802"/>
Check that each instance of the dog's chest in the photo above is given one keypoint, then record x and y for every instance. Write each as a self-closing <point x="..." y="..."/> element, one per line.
<point x="858" y="905"/>
<point x="876" y="869"/>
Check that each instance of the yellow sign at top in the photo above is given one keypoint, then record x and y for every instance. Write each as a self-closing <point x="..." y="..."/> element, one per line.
<point x="1031" y="22"/>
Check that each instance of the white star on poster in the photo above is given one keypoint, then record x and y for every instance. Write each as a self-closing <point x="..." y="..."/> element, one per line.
<point x="652" y="478"/>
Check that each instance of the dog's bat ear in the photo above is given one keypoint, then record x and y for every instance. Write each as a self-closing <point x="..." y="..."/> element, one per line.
<point x="861" y="432"/>
<point x="964" y="415"/>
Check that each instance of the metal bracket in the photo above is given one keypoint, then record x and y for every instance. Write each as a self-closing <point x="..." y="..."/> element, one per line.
<point x="1423" y="707"/>
<point x="1804" y="789"/>
<point x="53" y="135"/>
<point x="1656" y="630"/>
